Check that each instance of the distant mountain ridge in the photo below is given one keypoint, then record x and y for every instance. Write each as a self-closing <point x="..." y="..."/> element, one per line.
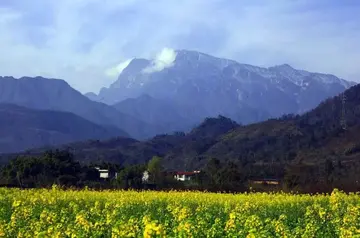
<point x="170" y="115"/>
<point x="145" y="103"/>
<point x="206" y="86"/>
<point x="311" y="138"/>
<point x="54" y="94"/>
<point x="23" y="128"/>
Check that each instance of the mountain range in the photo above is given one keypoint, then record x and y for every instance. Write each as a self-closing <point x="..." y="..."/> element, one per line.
<point x="198" y="85"/>
<point x="146" y="101"/>
<point x="57" y="95"/>
<point x="311" y="138"/>
<point x="23" y="128"/>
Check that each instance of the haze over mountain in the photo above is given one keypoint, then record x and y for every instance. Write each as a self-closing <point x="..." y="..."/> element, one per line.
<point x="57" y="95"/>
<point x="23" y="128"/>
<point x="155" y="111"/>
<point x="198" y="85"/>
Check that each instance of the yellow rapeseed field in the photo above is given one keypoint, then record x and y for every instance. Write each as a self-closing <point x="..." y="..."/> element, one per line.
<point x="58" y="213"/>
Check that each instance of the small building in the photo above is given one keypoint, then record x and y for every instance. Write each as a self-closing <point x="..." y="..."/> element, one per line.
<point x="105" y="174"/>
<point x="185" y="176"/>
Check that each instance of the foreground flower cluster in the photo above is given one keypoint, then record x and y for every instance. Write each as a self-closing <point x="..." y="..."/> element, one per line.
<point x="57" y="213"/>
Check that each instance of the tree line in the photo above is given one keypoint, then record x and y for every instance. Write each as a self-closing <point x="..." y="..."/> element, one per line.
<point x="60" y="168"/>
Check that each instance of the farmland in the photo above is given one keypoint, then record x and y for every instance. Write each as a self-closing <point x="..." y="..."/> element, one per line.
<point x="69" y="213"/>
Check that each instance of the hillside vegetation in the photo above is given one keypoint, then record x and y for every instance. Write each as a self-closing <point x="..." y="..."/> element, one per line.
<point x="312" y="151"/>
<point x="312" y="137"/>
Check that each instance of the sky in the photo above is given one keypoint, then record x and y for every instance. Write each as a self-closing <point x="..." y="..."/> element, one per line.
<point x="87" y="42"/>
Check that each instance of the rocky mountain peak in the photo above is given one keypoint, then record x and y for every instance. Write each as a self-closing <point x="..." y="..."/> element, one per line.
<point x="211" y="86"/>
<point x="283" y="67"/>
<point x="136" y="65"/>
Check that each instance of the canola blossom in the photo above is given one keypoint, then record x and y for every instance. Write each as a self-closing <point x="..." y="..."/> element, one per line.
<point x="58" y="213"/>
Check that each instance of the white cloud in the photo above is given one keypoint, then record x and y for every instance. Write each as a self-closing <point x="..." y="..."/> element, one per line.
<point x="164" y="59"/>
<point x="115" y="71"/>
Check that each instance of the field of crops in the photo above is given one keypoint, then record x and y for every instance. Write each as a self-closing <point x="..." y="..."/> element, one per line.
<point x="57" y="213"/>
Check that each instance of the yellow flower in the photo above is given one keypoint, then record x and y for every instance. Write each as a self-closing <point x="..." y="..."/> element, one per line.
<point x="16" y="203"/>
<point x="87" y="213"/>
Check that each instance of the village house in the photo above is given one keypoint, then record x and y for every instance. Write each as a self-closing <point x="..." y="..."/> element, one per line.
<point x="185" y="176"/>
<point x="105" y="174"/>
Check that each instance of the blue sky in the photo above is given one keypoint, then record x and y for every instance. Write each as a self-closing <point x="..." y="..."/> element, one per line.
<point x="79" y="40"/>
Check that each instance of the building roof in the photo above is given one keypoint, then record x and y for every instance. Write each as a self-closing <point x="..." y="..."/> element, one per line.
<point x="187" y="173"/>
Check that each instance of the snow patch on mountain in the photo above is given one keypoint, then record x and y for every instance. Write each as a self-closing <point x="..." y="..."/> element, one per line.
<point x="213" y="85"/>
<point x="115" y="71"/>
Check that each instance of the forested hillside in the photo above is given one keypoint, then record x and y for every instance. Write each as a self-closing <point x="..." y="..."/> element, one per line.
<point x="312" y="137"/>
<point x="302" y="148"/>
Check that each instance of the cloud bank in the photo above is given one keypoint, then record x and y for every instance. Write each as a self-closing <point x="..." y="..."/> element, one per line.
<point x="80" y="40"/>
<point x="164" y="59"/>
